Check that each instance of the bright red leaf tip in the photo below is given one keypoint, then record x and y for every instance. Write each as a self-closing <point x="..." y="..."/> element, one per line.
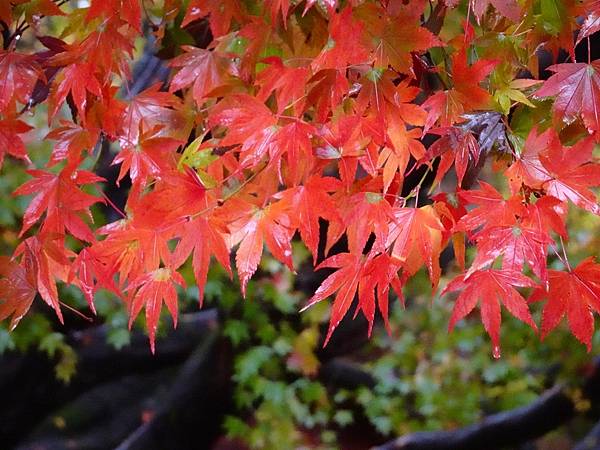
<point x="491" y="288"/>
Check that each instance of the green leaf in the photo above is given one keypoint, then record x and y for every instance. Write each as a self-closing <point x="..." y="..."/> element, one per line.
<point x="118" y="337"/>
<point x="249" y="364"/>
<point x="343" y="417"/>
<point x="237" y="331"/>
<point x="51" y="343"/>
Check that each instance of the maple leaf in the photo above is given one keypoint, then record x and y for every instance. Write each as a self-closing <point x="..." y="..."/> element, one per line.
<point x="345" y="281"/>
<point x="151" y="157"/>
<point x="18" y="75"/>
<point x="289" y="84"/>
<point x="492" y="287"/>
<point x="451" y="209"/>
<point x="346" y="142"/>
<point x="45" y="259"/>
<point x="60" y="197"/>
<point x="464" y="151"/>
<point x="563" y="172"/>
<point x="152" y="289"/>
<point x="590" y="25"/>
<point x="252" y="227"/>
<point x="366" y="275"/>
<point x="204" y="69"/>
<point x="129" y="10"/>
<point x="243" y="115"/>
<point x="293" y="140"/>
<point x="90" y="274"/>
<point x="345" y="45"/>
<point x="327" y="88"/>
<point x="366" y="213"/>
<point x="570" y="173"/>
<point x="508" y="8"/>
<point x="34" y="9"/>
<point x="10" y="142"/>
<point x="311" y="201"/>
<point x="77" y="79"/>
<point x="492" y="210"/>
<point x="547" y="213"/>
<point x="576" y="294"/>
<point x="416" y="239"/>
<point x="380" y="273"/>
<point x="132" y="249"/>
<point x="202" y="238"/>
<point x="395" y="32"/>
<point x="577" y="90"/>
<point x="220" y="14"/>
<point x="516" y="244"/>
<point x="464" y="96"/>
<point x="17" y="289"/>
<point x="156" y="111"/>
<point x="72" y="140"/>
<point x="527" y="168"/>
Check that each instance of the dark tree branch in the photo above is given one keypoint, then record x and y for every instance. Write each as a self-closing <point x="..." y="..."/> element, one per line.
<point x="552" y="409"/>
<point x="549" y="411"/>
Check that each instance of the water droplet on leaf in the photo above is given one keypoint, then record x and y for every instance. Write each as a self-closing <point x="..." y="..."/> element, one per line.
<point x="496" y="352"/>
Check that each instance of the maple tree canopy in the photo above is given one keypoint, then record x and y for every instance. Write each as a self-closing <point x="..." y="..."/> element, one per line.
<point x="298" y="112"/>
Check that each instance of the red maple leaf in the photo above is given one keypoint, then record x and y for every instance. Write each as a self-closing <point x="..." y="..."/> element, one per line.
<point x="416" y="239"/>
<point x="456" y="146"/>
<point x="156" y="111"/>
<point x="18" y="75"/>
<point x="60" y="197"/>
<point x="366" y="274"/>
<point x="205" y="70"/>
<point x="508" y="8"/>
<point x="244" y="116"/>
<point x="288" y="83"/>
<point x="17" y="289"/>
<point x="76" y="79"/>
<point x="202" y="238"/>
<point x="72" y="140"/>
<point x="527" y="169"/>
<point x="10" y="141"/>
<point x="577" y="90"/>
<point x="345" y="46"/>
<point x="571" y="173"/>
<point x="516" y="245"/>
<point x="253" y="227"/>
<point x="153" y="156"/>
<point x="395" y="32"/>
<point x="129" y="10"/>
<point x="151" y="290"/>
<point x="447" y="107"/>
<point x="46" y="260"/>
<point x="492" y="210"/>
<point x="220" y="14"/>
<point x="311" y="201"/>
<point x="576" y="294"/>
<point x="492" y="287"/>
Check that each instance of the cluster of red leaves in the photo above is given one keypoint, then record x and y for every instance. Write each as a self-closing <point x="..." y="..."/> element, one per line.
<point x="305" y="111"/>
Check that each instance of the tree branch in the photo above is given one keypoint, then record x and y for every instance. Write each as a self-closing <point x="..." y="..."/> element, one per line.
<point x="506" y="429"/>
